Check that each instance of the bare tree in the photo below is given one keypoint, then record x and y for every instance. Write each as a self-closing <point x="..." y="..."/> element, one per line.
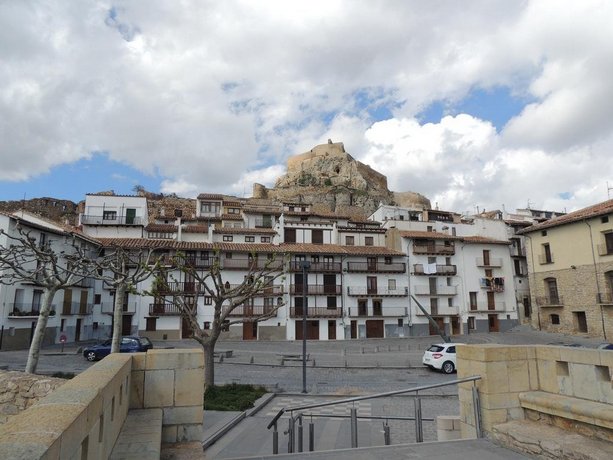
<point x="28" y="260"/>
<point x="188" y="281"/>
<point x="123" y="269"/>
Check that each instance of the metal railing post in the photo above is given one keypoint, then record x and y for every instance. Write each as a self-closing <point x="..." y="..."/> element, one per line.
<point x="290" y="435"/>
<point x="477" y="409"/>
<point x="275" y="440"/>
<point x="419" y="433"/>
<point x="354" y="427"/>
<point x="311" y="435"/>
<point x="300" y="433"/>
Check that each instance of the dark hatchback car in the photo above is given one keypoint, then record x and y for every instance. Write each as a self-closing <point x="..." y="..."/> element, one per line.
<point x="128" y="345"/>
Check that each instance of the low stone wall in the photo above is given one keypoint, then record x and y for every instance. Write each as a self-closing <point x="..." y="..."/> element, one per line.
<point x="18" y="391"/>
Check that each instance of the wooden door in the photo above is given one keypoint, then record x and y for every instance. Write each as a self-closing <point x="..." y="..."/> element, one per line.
<point x="83" y="303"/>
<point x="371" y="264"/>
<point x="486" y="257"/>
<point x="331" y="330"/>
<point x="186" y="328"/>
<point x="126" y="325"/>
<point x="491" y="303"/>
<point x="67" y="302"/>
<point x="329" y="284"/>
<point x="312" y="328"/>
<point x="492" y="321"/>
<point x="371" y="284"/>
<point x="250" y="330"/>
<point x="354" y="329"/>
<point x="130" y="216"/>
<point x="374" y="328"/>
<point x="455" y="325"/>
<point x="77" y="332"/>
<point x="441" y="324"/>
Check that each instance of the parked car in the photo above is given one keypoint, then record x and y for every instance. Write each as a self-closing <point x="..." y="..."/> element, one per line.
<point x="441" y="356"/>
<point x="131" y="344"/>
<point x="605" y="346"/>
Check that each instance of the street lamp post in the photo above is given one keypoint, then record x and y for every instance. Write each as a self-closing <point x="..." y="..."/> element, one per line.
<point x="305" y="267"/>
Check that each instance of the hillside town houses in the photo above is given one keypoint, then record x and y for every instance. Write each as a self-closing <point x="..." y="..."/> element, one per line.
<point x="391" y="275"/>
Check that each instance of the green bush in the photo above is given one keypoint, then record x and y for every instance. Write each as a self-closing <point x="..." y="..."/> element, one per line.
<point x="232" y="397"/>
<point x="63" y="375"/>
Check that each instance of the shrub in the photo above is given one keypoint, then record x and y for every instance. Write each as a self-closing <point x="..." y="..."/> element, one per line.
<point x="232" y="397"/>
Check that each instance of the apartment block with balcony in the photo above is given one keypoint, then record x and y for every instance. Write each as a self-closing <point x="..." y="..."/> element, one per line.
<point x="71" y="313"/>
<point x="570" y="264"/>
<point x="107" y="215"/>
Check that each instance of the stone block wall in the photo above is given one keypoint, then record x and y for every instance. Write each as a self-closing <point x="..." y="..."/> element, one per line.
<point x="18" y="391"/>
<point x="509" y="373"/>
<point x="172" y="380"/>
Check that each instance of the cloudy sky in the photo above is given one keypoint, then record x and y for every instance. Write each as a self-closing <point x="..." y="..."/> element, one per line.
<point x="478" y="103"/>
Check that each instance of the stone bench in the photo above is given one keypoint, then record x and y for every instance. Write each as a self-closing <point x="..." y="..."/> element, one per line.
<point x="140" y="436"/>
<point x="582" y="410"/>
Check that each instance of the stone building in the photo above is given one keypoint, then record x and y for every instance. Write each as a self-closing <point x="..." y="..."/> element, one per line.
<point x="570" y="263"/>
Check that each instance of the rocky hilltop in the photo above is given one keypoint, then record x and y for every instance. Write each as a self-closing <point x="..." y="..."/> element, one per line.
<point x="327" y="175"/>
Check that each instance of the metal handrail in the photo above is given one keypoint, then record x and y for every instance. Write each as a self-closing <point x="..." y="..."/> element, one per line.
<point x="373" y="396"/>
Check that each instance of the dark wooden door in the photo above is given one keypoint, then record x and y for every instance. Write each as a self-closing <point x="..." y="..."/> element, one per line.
<point x="312" y="330"/>
<point x="455" y="325"/>
<point x="371" y="284"/>
<point x="126" y="325"/>
<point x="491" y="303"/>
<point x="374" y="328"/>
<point x="329" y="284"/>
<point x="492" y="321"/>
<point x="331" y="330"/>
<point x="441" y="324"/>
<point x="354" y="329"/>
<point x="77" y="332"/>
<point x="250" y="330"/>
<point x="186" y="328"/>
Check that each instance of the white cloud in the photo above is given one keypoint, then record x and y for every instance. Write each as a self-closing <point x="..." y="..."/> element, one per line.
<point x="212" y="95"/>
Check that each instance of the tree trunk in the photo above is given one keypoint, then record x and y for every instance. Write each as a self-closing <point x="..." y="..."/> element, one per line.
<point x="209" y="365"/>
<point x="120" y="294"/>
<point x="39" y="331"/>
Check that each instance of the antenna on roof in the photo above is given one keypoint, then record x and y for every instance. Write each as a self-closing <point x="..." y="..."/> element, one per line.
<point x="609" y="188"/>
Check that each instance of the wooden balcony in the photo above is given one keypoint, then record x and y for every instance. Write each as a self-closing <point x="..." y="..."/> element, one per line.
<point x="437" y="291"/>
<point x="364" y="291"/>
<point x="316" y="267"/>
<point x="377" y="267"/>
<point x="434" y="248"/>
<point x="265" y="291"/>
<point x="316" y="289"/>
<point x="438" y="270"/>
<point x="549" y="301"/>
<point x="164" y="309"/>
<point x="251" y="311"/>
<point x="316" y="312"/>
<point x="494" y="262"/>
<point x="252" y="264"/>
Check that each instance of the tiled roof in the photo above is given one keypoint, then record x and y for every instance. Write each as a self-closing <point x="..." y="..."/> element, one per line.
<point x="416" y="234"/>
<point x="483" y="240"/>
<point x="210" y="196"/>
<point x="244" y="231"/>
<point x="600" y="209"/>
<point x="361" y="229"/>
<point x="231" y="217"/>
<point x="196" y="229"/>
<point x="232" y="203"/>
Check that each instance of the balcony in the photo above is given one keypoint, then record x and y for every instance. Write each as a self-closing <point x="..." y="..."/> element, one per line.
<point x="107" y="308"/>
<point x="250" y="311"/>
<point x="316" y="312"/>
<point x="385" y="312"/>
<point x="263" y="223"/>
<point x="377" y="291"/>
<point x="316" y="289"/>
<point x="117" y="220"/>
<point x="164" y="309"/>
<point x="549" y="301"/>
<point x="190" y="261"/>
<point x="437" y="291"/>
<point x="491" y="262"/>
<point x="85" y="283"/>
<point x="316" y="267"/>
<point x="76" y="308"/>
<point x="252" y="264"/>
<point x="605" y="250"/>
<point x="517" y="251"/>
<point x="483" y="307"/>
<point x="439" y="311"/>
<point x="23" y="310"/>
<point x="265" y="291"/>
<point x="375" y="267"/>
<point x="434" y="248"/>
<point x="495" y="284"/>
<point x="605" y="298"/>
<point x="434" y="269"/>
<point x="175" y="287"/>
<point x="545" y="259"/>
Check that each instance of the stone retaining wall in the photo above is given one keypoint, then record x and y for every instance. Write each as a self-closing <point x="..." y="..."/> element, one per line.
<point x="18" y="391"/>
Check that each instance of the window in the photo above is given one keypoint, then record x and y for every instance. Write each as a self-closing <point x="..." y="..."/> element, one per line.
<point x="388" y="261"/>
<point x="377" y="307"/>
<point x="608" y="239"/>
<point x="400" y="322"/>
<point x="151" y="324"/>
<point x="208" y="300"/>
<point x="551" y="290"/>
<point x="109" y="215"/>
<point x="210" y="208"/>
<point x="298" y="302"/>
<point x="62" y="325"/>
<point x="97" y="299"/>
<point x="228" y="238"/>
<point x="429" y="228"/>
<point x="555" y="319"/>
<point x="362" y="307"/>
<point x="449" y="302"/>
<point x="317" y="236"/>
<point x="265" y="239"/>
<point x="290" y="235"/>
<point x="473" y="300"/>
<point x="250" y="239"/>
<point x="604" y="219"/>
<point x="331" y="304"/>
<point x="546" y="256"/>
<point x="544" y="233"/>
<point x="580" y="321"/>
<point x="369" y="241"/>
<point x="233" y="211"/>
<point x="228" y="255"/>
<point x="225" y="327"/>
<point x="349" y="240"/>
<point x="207" y="325"/>
<point x="391" y="284"/>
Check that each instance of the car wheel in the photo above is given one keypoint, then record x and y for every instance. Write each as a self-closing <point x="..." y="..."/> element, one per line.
<point x="90" y="356"/>
<point x="448" y="367"/>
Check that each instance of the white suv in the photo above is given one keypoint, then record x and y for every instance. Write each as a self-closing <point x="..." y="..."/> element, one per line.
<point x="441" y="356"/>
